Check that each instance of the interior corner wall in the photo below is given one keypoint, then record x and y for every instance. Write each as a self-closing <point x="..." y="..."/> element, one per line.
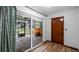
<point x="33" y="14"/>
<point x="71" y="22"/>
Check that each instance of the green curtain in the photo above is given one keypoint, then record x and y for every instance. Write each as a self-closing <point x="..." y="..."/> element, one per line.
<point x="7" y="28"/>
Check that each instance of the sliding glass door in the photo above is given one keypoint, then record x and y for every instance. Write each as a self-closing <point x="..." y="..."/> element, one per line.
<point x="29" y="33"/>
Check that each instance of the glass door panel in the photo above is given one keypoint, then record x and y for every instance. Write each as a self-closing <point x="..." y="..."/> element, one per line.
<point x="37" y="32"/>
<point x="23" y="33"/>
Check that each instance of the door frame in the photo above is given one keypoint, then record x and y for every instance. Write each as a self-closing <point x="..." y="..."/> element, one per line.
<point x="52" y="29"/>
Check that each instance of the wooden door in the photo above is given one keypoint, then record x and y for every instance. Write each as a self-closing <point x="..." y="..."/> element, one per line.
<point x="57" y="30"/>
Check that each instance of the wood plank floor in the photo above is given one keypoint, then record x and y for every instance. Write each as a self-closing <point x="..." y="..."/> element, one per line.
<point x="53" y="47"/>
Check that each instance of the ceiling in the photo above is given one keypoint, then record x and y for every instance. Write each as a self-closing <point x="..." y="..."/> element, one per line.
<point x="47" y="10"/>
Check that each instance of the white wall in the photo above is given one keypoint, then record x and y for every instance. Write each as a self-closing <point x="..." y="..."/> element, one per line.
<point x="34" y="15"/>
<point x="71" y="22"/>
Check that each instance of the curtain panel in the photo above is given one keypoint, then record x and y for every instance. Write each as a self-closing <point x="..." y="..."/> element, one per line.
<point x="7" y="28"/>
